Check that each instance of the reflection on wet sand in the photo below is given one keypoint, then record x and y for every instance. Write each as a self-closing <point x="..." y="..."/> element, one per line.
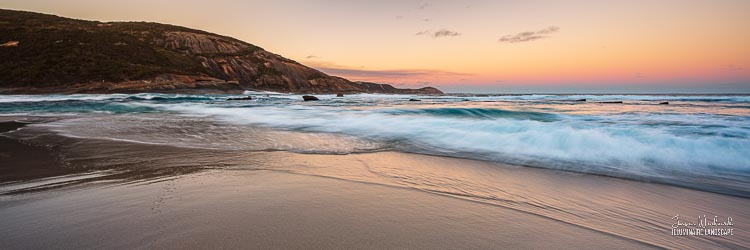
<point x="158" y="195"/>
<point x="268" y="209"/>
<point x="625" y="208"/>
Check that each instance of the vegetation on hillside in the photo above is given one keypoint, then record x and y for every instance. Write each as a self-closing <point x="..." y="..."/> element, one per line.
<point x="54" y="50"/>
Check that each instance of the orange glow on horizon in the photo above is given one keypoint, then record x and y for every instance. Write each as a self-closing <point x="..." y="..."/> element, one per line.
<point x="481" y="43"/>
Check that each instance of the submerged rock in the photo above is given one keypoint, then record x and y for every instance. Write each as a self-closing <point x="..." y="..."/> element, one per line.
<point x="241" y="98"/>
<point x="612" y="102"/>
<point x="415" y="100"/>
<point x="581" y="100"/>
<point x="309" y="98"/>
<point x="663" y="103"/>
<point x="339" y="95"/>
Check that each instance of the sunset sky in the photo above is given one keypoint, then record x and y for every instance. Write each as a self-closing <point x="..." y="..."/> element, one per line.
<point x="476" y="46"/>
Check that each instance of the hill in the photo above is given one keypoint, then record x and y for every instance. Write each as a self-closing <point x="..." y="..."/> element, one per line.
<point x="51" y="54"/>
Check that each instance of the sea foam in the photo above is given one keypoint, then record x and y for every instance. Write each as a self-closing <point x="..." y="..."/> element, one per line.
<point x="702" y="139"/>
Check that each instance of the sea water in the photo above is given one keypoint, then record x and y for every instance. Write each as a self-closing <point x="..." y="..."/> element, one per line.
<point x="695" y="141"/>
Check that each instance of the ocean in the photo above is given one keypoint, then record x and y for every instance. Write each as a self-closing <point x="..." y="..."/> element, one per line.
<point x="695" y="141"/>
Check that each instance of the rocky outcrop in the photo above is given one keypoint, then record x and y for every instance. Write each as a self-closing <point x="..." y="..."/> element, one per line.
<point x="369" y="87"/>
<point x="87" y="56"/>
<point x="255" y="68"/>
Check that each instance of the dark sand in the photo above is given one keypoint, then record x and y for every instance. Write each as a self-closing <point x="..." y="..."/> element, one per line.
<point x="20" y="161"/>
<point x="126" y="195"/>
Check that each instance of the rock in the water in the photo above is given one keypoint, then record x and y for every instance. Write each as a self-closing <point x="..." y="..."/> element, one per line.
<point x="581" y="100"/>
<point x="612" y="102"/>
<point x="310" y="98"/>
<point x="415" y="100"/>
<point x="663" y="103"/>
<point x="339" y="95"/>
<point x="241" y="98"/>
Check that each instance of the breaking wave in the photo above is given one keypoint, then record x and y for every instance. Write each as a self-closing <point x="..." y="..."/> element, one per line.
<point x="702" y="145"/>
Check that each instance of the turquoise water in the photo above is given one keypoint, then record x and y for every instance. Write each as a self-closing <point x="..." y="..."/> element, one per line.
<point x="700" y="142"/>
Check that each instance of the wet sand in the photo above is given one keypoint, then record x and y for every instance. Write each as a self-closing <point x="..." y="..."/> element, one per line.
<point x="20" y="161"/>
<point x="128" y="195"/>
<point x="265" y="209"/>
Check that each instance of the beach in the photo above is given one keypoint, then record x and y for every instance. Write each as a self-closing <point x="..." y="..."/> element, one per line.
<point x="374" y="124"/>
<point x="262" y="209"/>
<point x="130" y="195"/>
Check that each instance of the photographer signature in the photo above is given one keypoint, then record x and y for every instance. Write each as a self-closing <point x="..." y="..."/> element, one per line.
<point x="703" y="222"/>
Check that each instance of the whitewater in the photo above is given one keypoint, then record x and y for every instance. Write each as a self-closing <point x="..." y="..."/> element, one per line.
<point x="695" y="141"/>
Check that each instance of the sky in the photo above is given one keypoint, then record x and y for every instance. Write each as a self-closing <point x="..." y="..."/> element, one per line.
<point x="636" y="46"/>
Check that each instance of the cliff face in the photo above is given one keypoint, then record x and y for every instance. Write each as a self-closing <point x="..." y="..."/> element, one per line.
<point x="253" y="67"/>
<point x="47" y="53"/>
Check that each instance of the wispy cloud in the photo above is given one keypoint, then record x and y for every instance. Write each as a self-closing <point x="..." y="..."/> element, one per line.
<point x="424" y="6"/>
<point x="732" y="67"/>
<point x="438" y="34"/>
<point x="312" y="57"/>
<point x="399" y="73"/>
<point x="394" y="75"/>
<point x="529" y="36"/>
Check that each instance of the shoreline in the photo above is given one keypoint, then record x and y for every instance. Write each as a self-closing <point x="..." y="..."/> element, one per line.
<point x="603" y="207"/>
<point x="21" y="161"/>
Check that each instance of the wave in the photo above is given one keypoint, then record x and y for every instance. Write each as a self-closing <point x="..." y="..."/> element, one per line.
<point x="677" y="144"/>
<point x="651" y="98"/>
<point x="570" y="143"/>
<point x="372" y="97"/>
<point x="478" y="113"/>
<point x="172" y="98"/>
<point x="74" y="106"/>
<point x="193" y="132"/>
